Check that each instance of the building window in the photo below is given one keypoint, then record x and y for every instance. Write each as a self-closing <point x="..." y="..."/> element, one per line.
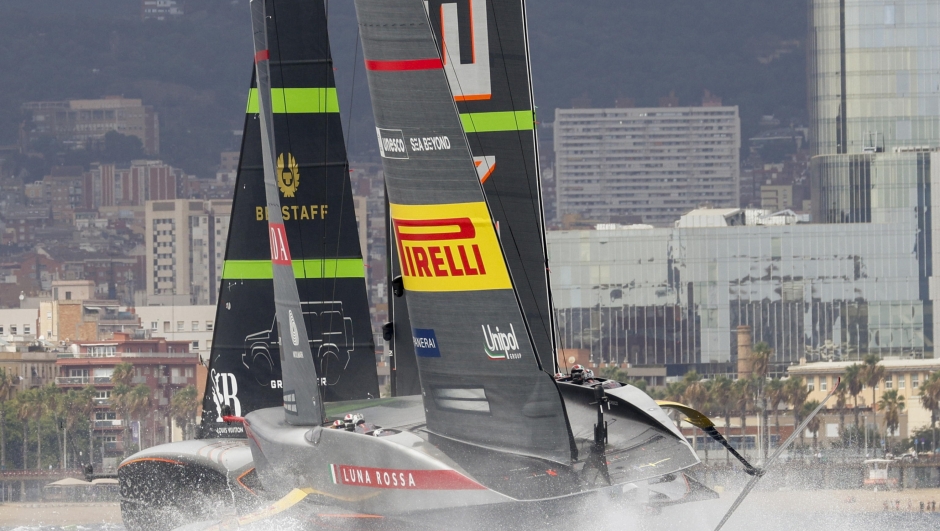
<point x="195" y="345"/>
<point x="195" y="326"/>
<point x="153" y="325"/>
<point x="915" y="380"/>
<point x="102" y="395"/>
<point x="68" y="295"/>
<point x="1" y="329"/>
<point x="209" y="325"/>
<point x="208" y="344"/>
<point x="13" y="329"/>
<point x="189" y="372"/>
<point x="889" y="382"/>
<point x="26" y="329"/>
<point x="180" y="326"/>
<point x="823" y="383"/>
<point x="166" y="326"/>
<point x="901" y="379"/>
<point x="811" y="384"/>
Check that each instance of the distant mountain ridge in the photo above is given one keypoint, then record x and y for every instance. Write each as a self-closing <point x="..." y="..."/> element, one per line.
<point x="195" y="70"/>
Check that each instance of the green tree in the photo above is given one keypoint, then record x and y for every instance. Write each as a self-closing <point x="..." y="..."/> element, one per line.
<point x="721" y="393"/>
<point x="123" y="374"/>
<point x="814" y="424"/>
<point x="776" y="394"/>
<point x="183" y="408"/>
<point x="696" y="396"/>
<point x="7" y="387"/>
<point x="854" y="383"/>
<point x="930" y="400"/>
<point x="121" y="148"/>
<point x="873" y="373"/>
<point x="139" y="406"/>
<point x="797" y="392"/>
<point x="892" y="404"/>
<point x="841" y="401"/>
<point x="742" y="395"/>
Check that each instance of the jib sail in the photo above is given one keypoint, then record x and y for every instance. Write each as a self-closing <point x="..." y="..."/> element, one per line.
<point x="319" y="220"/>
<point x="479" y="372"/>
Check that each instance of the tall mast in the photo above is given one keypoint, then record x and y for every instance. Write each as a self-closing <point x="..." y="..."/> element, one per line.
<point x="302" y="403"/>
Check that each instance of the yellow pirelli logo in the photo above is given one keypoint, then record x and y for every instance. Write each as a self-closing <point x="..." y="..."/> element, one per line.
<point x="449" y="247"/>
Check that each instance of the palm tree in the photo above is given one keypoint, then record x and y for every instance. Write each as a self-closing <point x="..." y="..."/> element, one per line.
<point x="40" y="407"/>
<point x="930" y="399"/>
<point x="85" y="406"/>
<point x="761" y="357"/>
<point x="841" y="401"/>
<point x="123" y="374"/>
<point x="7" y="386"/>
<point x="892" y="404"/>
<point x="776" y="394"/>
<point x="52" y="403"/>
<point x="796" y="396"/>
<point x="120" y="402"/>
<point x="183" y="407"/>
<point x="24" y="406"/>
<point x="814" y="424"/>
<point x="872" y="374"/>
<point x="695" y="395"/>
<point x="138" y="407"/>
<point x="721" y="393"/>
<point x="854" y="382"/>
<point x="743" y="397"/>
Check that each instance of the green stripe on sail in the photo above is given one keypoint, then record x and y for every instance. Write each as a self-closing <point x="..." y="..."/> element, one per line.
<point x="488" y="122"/>
<point x="297" y="100"/>
<point x="261" y="269"/>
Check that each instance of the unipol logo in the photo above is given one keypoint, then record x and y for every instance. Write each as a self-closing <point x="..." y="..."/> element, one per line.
<point x="501" y="345"/>
<point x="280" y="252"/>
<point x="460" y="27"/>
<point x="225" y="393"/>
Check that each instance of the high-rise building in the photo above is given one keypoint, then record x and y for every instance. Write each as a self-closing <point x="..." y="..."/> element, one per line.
<point x="108" y="185"/>
<point x="185" y="242"/>
<point x="82" y="124"/>
<point x="645" y="165"/>
<point x="874" y="101"/>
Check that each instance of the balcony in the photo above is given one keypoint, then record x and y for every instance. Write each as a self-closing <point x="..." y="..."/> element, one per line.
<point x="178" y="380"/>
<point x="110" y="423"/>
<point x="71" y="380"/>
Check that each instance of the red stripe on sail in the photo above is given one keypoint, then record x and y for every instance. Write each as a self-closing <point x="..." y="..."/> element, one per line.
<point x="263" y="55"/>
<point x="401" y="66"/>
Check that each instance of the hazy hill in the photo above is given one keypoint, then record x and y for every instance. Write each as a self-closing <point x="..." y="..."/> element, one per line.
<point x="195" y="70"/>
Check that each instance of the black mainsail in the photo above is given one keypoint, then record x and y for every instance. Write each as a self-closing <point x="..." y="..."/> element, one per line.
<point x="484" y="46"/>
<point x="319" y="220"/>
<point x="480" y="375"/>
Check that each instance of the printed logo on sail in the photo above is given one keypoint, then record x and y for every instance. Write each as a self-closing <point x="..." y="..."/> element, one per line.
<point x="288" y="175"/>
<point x="449" y="247"/>
<point x="501" y="345"/>
<point x="425" y="342"/>
<point x="391" y="143"/>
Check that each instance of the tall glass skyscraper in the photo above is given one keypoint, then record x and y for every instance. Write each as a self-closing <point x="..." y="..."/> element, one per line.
<point x="874" y="75"/>
<point x="874" y="102"/>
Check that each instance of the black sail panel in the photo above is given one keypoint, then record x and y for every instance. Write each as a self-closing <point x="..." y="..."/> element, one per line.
<point x="319" y="218"/>
<point x="485" y="50"/>
<point x="479" y="372"/>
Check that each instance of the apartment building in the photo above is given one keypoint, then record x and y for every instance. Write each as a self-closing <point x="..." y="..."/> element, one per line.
<point x="645" y="165"/>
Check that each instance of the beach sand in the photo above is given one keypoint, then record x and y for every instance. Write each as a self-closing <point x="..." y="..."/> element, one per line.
<point x="840" y="500"/>
<point x="59" y="514"/>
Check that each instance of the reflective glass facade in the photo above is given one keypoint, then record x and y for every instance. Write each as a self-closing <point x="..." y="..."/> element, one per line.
<point x="874" y="75"/>
<point x="676" y="296"/>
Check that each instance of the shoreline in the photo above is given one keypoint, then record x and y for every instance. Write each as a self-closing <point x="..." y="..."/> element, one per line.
<point x="59" y="513"/>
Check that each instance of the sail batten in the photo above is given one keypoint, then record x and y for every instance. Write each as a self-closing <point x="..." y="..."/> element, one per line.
<point x="467" y="326"/>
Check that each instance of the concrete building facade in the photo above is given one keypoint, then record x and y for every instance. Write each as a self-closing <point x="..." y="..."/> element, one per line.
<point x="185" y="245"/>
<point x="645" y="165"/>
<point x="82" y="124"/>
